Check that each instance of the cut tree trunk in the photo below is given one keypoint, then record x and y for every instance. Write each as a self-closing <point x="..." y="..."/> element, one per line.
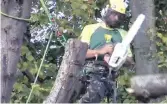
<point x="144" y="42"/>
<point x="12" y="31"/>
<point x="67" y="85"/>
<point x="149" y="85"/>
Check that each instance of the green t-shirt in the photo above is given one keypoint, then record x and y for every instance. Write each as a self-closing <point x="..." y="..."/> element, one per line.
<point x="97" y="35"/>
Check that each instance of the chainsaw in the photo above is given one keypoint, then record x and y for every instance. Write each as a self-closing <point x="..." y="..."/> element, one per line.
<point x="120" y="52"/>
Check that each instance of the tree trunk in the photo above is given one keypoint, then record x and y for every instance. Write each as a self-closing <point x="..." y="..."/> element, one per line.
<point x="67" y="84"/>
<point x="144" y="42"/>
<point x="150" y="85"/>
<point x="12" y="31"/>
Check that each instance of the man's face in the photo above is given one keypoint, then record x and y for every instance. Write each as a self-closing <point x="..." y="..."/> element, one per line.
<point x="113" y="19"/>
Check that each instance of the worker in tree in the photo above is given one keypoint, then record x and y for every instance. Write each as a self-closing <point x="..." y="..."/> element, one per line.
<point x="101" y="38"/>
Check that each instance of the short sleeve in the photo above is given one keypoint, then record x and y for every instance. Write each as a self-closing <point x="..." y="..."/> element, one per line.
<point x="85" y="35"/>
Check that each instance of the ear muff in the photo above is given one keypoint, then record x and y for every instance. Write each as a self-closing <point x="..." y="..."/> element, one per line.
<point x="104" y="11"/>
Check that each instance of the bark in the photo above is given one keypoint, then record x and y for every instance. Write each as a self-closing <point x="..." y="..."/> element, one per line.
<point x="12" y="31"/>
<point x="144" y="42"/>
<point x="67" y="85"/>
<point x="150" y="85"/>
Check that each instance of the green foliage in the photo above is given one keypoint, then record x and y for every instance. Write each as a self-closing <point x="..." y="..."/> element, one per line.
<point x="161" y="39"/>
<point x="123" y="83"/>
<point x="76" y="14"/>
<point x="162" y="51"/>
<point x="24" y="83"/>
<point x="161" y="14"/>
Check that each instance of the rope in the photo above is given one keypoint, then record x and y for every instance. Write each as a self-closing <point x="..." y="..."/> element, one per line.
<point x="46" y="10"/>
<point x="43" y="58"/>
<point x="17" y="18"/>
<point x="50" y="17"/>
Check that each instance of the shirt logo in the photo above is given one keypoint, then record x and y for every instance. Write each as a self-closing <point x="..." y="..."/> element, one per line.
<point x="107" y="38"/>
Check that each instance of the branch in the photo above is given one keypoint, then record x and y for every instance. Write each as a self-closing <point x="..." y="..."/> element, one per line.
<point x="149" y="86"/>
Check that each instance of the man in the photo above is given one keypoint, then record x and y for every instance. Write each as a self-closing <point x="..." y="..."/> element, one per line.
<point x="101" y="38"/>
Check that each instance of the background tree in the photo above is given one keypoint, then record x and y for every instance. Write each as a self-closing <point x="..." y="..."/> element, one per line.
<point x="145" y="50"/>
<point x="144" y="42"/>
<point x="12" y="32"/>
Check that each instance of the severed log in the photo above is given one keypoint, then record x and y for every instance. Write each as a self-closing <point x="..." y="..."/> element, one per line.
<point x="67" y="85"/>
<point x="149" y="86"/>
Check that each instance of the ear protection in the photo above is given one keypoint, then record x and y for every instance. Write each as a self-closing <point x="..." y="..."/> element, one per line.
<point x="104" y="11"/>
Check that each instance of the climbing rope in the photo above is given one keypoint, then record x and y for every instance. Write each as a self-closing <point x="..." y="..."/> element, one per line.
<point x="51" y="19"/>
<point x="17" y="18"/>
<point x="43" y="58"/>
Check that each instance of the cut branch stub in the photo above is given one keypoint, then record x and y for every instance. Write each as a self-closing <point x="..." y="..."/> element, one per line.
<point x="67" y="83"/>
<point x="148" y="86"/>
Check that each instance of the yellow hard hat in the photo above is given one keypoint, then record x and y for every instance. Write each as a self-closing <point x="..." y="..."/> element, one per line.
<point x="118" y="5"/>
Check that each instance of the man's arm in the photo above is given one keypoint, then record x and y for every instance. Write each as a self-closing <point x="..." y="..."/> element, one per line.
<point x="107" y="49"/>
<point x="85" y="37"/>
<point x="91" y="53"/>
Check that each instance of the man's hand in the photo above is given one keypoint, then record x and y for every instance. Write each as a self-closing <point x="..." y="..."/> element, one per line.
<point x="106" y="58"/>
<point x="106" y="49"/>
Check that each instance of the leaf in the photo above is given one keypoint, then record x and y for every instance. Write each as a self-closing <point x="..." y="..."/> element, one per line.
<point x="41" y="75"/>
<point x="84" y="7"/>
<point x="25" y="79"/>
<point x="24" y="50"/>
<point x="25" y="65"/>
<point x="47" y="84"/>
<point x="18" y="87"/>
<point x="50" y="58"/>
<point x="33" y="71"/>
<point x="36" y="90"/>
<point x="29" y="57"/>
<point x="121" y="80"/>
<point x="19" y="65"/>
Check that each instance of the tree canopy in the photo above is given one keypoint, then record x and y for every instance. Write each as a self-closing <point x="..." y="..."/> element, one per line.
<point x="70" y="17"/>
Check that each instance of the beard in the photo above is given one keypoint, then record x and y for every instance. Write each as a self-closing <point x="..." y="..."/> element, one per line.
<point x="112" y="23"/>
